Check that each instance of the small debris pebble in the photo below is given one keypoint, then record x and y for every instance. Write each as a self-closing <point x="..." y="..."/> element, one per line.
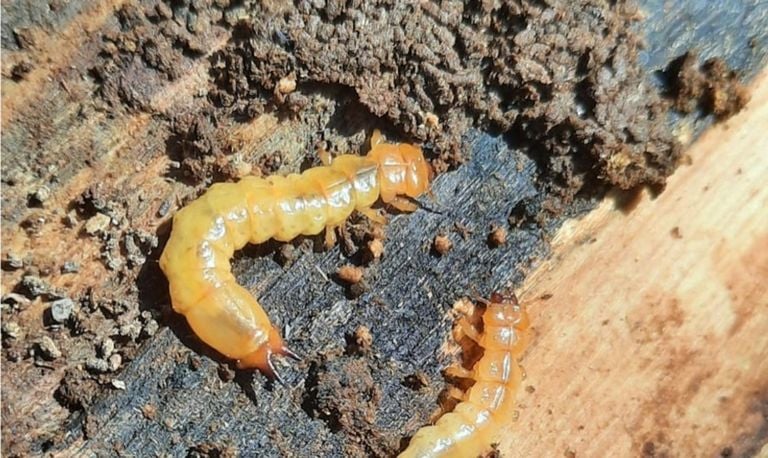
<point x="106" y="347"/>
<point x="70" y="267"/>
<point x="376" y="248"/>
<point x="97" y="224"/>
<point x="164" y="208"/>
<point x="360" y="341"/>
<point x="40" y="195"/>
<point x="286" y="254"/>
<point x="12" y="262"/>
<point x="70" y="220"/>
<point x="115" y="361"/>
<point x="132" y="330"/>
<point x="286" y="85"/>
<point x="363" y="337"/>
<point x="151" y="327"/>
<point x="350" y="274"/>
<point x="97" y="365"/>
<point x="34" y="285"/>
<point x="15" y="301"/>
<point x="149" y="411"/>
<point x="12" y="330"/>
<point x="497" y="237"/>
<point x="48" y="348"/>
<point x="442" y="244"/>
<point x="61" y="310"/>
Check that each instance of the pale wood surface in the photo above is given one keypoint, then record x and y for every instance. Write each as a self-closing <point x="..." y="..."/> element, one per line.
<point x="655" y="337"/>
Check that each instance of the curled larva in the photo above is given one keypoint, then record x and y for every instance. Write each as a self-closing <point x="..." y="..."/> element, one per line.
<point x="207" y="232"/>
<point x="488" y="408"/>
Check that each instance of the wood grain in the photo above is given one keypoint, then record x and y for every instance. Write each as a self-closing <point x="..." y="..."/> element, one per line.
<point x="651" y="331"/>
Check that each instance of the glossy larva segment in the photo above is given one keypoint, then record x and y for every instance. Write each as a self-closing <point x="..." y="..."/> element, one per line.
<point x="185" y="260"/>
<point x="329" y="198"/>
<point x="502" y="316"/>
<point x="496" y="366"/>
<point x="239" y="329"/>
<point x="363" y="174"/>
<point x="189" y="225"/>
<point x="189" y="290"/>
<point x="488" y="395"/>
<point x="488" y="408"/>
<point x="289" y="208"/>
<point x="476" y="415"/>
<point x="505" y="339"/>
<point x="207" y="232"/>
<point x="315" y="213"/>
<point x="261" y="200"/>
<point x="391" y="172"/>
<point x="366" y="184"/>
<point x="227" y="201"/>
<point x="461" y="426"/>
<point x="311" y="189"/>
<point x="501" y="339"/>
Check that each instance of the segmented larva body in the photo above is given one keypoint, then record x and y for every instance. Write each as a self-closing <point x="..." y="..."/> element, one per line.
<point x="209" y="230"/>
<point x="487" y="409"/>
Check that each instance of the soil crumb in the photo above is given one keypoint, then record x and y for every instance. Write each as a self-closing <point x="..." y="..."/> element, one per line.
<point x="561" y="78"/>
<point x="441" y="244"/>
<point x="497" y="237"/>
<point x="710" y="87"/>
<point x="350" y="274"/>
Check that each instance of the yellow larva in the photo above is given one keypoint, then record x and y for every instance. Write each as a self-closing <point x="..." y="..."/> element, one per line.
<point x="487" y="409"/>
<point x="209" y="230"/>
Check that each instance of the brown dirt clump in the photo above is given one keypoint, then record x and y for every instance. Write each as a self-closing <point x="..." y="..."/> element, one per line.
<point x="563" y="79"/>
<point x="710" y="87"/>
<point x="441" y="244"/>
<point x="343" y="393"/>
<point x="497" y="237"/>
<point x="212" y="450"/>
<point x="350" y="274"/>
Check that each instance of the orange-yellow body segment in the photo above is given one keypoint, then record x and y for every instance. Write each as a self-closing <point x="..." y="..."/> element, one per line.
<point x="487" y="409"/>
<point x="209" y="230"/>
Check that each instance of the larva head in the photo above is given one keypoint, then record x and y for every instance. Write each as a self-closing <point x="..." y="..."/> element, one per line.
<point x="418" y="173"/>
<point x="403" y="170"/>
<point x="504" y="311"/>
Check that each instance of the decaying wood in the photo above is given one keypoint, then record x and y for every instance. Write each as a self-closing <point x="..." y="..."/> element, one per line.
<point x="643" y="356"/>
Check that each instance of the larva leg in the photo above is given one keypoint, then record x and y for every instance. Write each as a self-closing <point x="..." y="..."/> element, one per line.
<point x="330" y="237"/>
<point x="467" y="329"/>
<point x="325" y="156"/>
<point x="404" y="205"/>
<point x="376" y="138"/>
<point x="373" y="215"/>
<point x="456" y="371"/>
<point x="455" y="393"/>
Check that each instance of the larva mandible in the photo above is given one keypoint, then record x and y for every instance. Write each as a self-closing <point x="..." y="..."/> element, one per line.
<point x="207" y="232"/>
<point x="489" y="405"/>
